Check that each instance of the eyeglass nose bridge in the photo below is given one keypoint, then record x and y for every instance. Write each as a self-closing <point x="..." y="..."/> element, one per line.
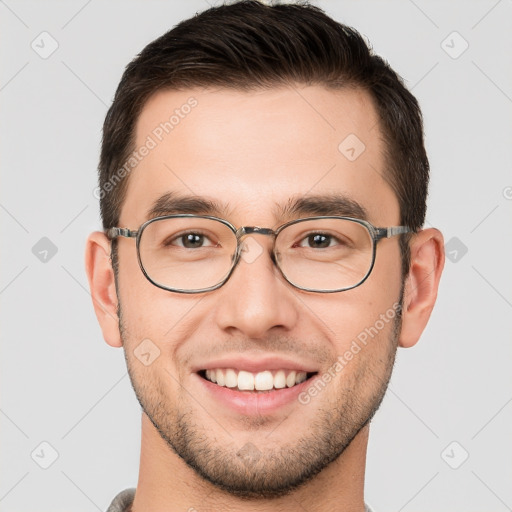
<point x="244" y="231"/>
<point x="249" y="230"/>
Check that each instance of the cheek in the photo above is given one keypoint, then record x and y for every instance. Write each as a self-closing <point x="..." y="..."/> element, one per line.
<point x="386" y="277"/>
<point x="148" y="311"/>
<point x="367" y="356"/>
<point x="354" y="320"/>
<point x="353" y="314"/>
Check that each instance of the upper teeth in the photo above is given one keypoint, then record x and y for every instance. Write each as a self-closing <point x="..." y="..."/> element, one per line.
<point x="261" y="381"/>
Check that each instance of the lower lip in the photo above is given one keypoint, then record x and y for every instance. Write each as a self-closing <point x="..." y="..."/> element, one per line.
<point x="253" y="402"/>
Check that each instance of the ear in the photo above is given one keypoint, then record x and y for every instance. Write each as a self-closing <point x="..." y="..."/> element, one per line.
<point x="422" y="282"/>
<point x="102" y="285"/>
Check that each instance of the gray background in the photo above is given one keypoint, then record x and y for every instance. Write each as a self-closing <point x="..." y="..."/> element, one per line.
<point x="61" y="384"/>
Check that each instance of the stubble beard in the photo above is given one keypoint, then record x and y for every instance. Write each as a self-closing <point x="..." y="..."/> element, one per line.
<point x="254" y="472"/>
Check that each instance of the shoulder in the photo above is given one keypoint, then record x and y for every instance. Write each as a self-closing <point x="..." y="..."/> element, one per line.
<point x="123" y="501"/>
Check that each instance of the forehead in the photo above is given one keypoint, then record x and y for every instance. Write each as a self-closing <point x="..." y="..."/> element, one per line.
<point x="252" y="150"/>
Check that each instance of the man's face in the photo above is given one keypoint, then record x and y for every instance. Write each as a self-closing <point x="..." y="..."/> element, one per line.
<point x="253" y="153"/>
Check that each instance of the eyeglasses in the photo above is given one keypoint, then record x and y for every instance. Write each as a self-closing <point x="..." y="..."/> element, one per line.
<point x="189" y="253"/>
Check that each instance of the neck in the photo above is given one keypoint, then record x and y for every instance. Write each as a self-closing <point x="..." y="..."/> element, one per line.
<point x="167" y="483"/>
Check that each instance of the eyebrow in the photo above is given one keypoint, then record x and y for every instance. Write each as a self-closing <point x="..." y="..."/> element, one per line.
<point x="172" y="203"/>
<point x="323" y="204"/>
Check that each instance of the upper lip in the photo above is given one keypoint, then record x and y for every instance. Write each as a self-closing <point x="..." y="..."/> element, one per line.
<point x="253" y="364"/>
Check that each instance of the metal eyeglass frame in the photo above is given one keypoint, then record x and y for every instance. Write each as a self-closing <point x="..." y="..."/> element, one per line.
<point x="376" y="235"/>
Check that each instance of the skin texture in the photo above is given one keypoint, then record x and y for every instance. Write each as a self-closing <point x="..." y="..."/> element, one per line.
<point x="252" y="151"/>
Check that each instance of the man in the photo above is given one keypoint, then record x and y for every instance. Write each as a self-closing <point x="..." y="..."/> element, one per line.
<point x="263" y="182"/>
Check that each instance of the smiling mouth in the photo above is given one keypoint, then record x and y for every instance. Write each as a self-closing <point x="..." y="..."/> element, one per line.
<point x="260" y="382"/>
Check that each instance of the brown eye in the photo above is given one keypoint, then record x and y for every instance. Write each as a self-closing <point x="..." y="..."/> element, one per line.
<point x="192" y="240"/>
<point x="318" y="241"/>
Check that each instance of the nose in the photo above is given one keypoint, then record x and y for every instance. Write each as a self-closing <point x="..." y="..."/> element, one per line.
<point x="256" y="298"/>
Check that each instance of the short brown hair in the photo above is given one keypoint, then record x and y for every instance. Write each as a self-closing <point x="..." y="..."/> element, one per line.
<point x="248" y="45"/>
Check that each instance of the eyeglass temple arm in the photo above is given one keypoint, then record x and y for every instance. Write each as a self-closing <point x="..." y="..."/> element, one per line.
<point x="113" y="233"/>
<point x="393" y="231"/>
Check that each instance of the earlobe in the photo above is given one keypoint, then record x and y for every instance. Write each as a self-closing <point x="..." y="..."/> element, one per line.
<point x="102" y="285"/>
<point x="421" y="285"/>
